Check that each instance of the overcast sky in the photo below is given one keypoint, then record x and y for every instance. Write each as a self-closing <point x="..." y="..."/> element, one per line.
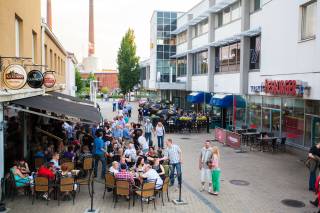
<point x="112" y="19"/>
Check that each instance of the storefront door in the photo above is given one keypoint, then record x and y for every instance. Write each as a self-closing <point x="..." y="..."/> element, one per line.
<point x="271" y="120"/>
<point x="315" y="130"/>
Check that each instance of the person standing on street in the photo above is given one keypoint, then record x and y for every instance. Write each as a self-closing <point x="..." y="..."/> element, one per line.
<point x="114" y="106"/>
<point x="129" y="107"/>
<point x="148" y="131"/>
<point x="99" y="154"/>
<point x="313" y="164"/>
<point x="159" y="131"/>
<point x="174" y="155"/>
<point x="215" y="170"/>
<point x="205" y="158"/>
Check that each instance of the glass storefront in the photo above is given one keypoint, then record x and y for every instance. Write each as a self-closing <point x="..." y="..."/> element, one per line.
<point x="294" y="118"/>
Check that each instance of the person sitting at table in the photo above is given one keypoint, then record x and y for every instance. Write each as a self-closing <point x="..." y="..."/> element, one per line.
<point x="123" y="161"/>
<point x="24" y="167"/>
<point x="39" y="152"/>
<point x="130" y="155"/>
<point x="20" y="179"/>
<point x="69" y="154"/>
<point x="159" y="168"/>
<point x="55" y="161"/>
<point x="139" y="164"/>
<point x="84" y="154"/>
<point x="65" y="174"/>
<point x="151" y="155"/>
<point x="47" y="171"/>
<point x="152" y="175"/>
<point x="114" y="169"/>
<point x="124" y="174"/>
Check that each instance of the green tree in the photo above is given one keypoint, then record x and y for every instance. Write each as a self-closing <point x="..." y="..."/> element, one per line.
<point x="128" y="63"/>
<point x="91" y="77"/>
<point x="78" y="80"/>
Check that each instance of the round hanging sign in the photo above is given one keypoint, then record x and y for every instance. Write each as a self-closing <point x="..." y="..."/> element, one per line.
<point x="35" y="79"/>
<point x="14" y="76"/>
<point x="49" y="80"/>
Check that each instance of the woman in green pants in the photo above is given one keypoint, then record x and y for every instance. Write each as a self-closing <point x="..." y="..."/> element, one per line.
<point x="215" y="171"/>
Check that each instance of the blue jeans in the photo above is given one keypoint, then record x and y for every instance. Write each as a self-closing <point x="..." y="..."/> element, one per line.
<point x="160" y="142"/>
<point x="148" y="137"/>
<point x="176" y="166"/>
<point x="312" y="179"/>
<point x="96" y="163"/>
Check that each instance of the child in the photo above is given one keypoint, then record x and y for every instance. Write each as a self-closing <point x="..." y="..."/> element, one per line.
<point x="215" y="171"/>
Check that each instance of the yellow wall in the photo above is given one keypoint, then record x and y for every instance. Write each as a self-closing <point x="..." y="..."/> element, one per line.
<point x="29" y="13"/>
<point x="57" y="62"/>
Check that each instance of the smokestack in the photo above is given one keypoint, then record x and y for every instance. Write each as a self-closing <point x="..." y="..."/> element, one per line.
<point x="49" y="14"/>
<point x="91" y="29"/>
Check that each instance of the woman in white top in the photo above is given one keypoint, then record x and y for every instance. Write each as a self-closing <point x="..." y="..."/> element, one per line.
<point x="114" y="169"/>
<point x="159" y="131"/>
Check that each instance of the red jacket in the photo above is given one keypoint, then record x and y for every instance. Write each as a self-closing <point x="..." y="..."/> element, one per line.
<point x="45" y="172"/>
<point x="318" y="189"/>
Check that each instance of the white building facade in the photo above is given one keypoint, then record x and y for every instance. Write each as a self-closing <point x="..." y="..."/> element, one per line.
<point x="265" y="52"/>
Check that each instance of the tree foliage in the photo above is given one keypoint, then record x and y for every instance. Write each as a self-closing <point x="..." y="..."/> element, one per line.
<point x="78" y="80"/>
<point x="104" y="90"/>
<point x="90" y="77"/>
<point x="128" y="63"/>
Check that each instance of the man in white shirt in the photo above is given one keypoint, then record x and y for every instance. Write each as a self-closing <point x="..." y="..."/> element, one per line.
<point x="143" y="144"/>
<point x="130" y="154"/>
<point x="205" y="156"/>
<point x="152" y="176"/>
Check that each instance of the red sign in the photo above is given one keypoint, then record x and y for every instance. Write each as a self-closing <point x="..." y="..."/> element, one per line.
<point x="233" y="139"/>
<point x="220" y="135"/>
<point x="281" y="87"/>
<point x="49" y="80"/>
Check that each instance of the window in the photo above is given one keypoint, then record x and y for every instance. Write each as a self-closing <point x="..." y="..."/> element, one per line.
<point x="182" y="66"/>
<point x="228" y="58"/>
<point x="255" y="5"/>
<point x="226" y="17"/>
<point x="59" y="66"/>
<point x="18" y="36"/>
<point x="218" y="20"/>
<point x="51" y="60"/>
<point x="34" y="46"/>
<point x="45" y="55"/>
<point x="228" y="14"/>
<point x="235" y="11"/>
<point x="200" y="63"/>
<point x="255" y="47"/>
<point x="55" y="63"/>
<point x="308" y="24"/>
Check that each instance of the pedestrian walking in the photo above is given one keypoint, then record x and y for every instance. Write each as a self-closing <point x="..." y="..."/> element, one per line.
<point x="174" y="155"/>
<point x="160" y="131"/>
<point x="114" y="106"/>
<point x="204" y="161"/>
<point x="313" y="164"/>
<point x="215" y="170"/>
<point x="148" y="132"/>
<point x="99" y="154"/>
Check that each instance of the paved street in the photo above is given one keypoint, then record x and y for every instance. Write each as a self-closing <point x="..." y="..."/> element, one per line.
<point x="271" y="177"/>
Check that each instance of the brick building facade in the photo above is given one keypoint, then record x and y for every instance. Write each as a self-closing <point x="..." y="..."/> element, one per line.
<point x="106" y="78"/>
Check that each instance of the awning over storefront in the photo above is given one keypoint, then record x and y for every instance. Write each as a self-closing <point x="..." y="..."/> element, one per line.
<point x="198" y="97"/>
<point x="63" y="106"/>
<point x="226" y="101"/>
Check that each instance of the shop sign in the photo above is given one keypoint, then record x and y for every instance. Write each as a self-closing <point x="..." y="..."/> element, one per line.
<point x="233" y="139"/>
<point x="14" y="76"/>
<point x="35" y="79"/>
<point x="49" y="80"/>
<point x="220" y="135"/>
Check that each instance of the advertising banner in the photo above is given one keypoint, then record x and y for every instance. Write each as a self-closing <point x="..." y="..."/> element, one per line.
<point x="220" y="135"/>
<point x="233" y="139"/>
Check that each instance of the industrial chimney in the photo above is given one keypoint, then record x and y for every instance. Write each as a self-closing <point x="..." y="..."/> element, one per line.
<point x="91" y="29"/>
<point x="49" y="14"/>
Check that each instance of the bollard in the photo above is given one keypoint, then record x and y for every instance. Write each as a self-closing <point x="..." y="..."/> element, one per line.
<point x="179" y="201"/>
<point x="91" y="192"/>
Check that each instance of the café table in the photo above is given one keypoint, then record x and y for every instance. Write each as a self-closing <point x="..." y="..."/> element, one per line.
<point x="264" y="141"/>
<point x="249" y="138"/>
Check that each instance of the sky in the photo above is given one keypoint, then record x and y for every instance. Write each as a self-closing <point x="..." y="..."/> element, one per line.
<point x="112" y="19"/>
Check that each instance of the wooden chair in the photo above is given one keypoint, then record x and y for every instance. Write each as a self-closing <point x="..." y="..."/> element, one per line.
<point x="164" y="189"/>
<point x="87" y="168"/>
<point x="70" y="165"/>
<point x="41" y="185"/>
<point x="66" y="186"/>
<point x="122" y="188"/>
<point x="109" y="183"/>
<point x="38" y="162"/>
<point x="147" y="191"/>
<point x="14" y="188"/>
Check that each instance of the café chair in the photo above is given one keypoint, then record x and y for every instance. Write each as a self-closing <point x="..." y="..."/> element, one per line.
<point x="70" y="165"/>
<point x="14" y="188"/>
<point x="67" y="185"/>
<point x="109" y="183"/>
<point x="164" y="189"/>
<point x="41" y="185"/>
<point x="122" y="188"/>
<point x="147" y="191"/>
<point x="87" y="169"/>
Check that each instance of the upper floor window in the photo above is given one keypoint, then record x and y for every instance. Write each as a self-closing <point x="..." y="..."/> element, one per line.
<point x="255" y="49"/>
<point x="18" y="36"/>
<point x="228" y="58"/>
<point x="182" y="37"/>
<point x="200" y="63"/>
<point x="255" y="5"/>
<point x="34" y="46"/>
<point x="228" y="14"/>
<point x="200" y="28"/>
<point x="308" y="20"/>
<point x="182" y="66"/>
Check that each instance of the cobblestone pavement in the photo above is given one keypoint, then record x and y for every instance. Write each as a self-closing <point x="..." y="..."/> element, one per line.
<point x="271" y="177"/>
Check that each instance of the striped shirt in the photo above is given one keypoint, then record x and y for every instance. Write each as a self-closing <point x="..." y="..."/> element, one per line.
<point x="172" y="153"/>
<point x="148" y="127"/>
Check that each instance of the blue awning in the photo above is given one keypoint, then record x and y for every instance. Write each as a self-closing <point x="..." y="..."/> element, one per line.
<point x="198" y="97"/>
<point x="226" y="101"/>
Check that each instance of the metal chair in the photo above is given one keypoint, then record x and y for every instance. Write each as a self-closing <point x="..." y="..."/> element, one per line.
<point x="67" y="186"/>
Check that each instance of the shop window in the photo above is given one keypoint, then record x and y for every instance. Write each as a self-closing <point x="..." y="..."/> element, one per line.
<point x="255" y="49"/>
<point x="254" y="111"/>
<point x="308" y="20"/>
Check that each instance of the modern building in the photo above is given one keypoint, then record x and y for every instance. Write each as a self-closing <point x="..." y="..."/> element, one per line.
<point x="258" y="59"/>
<point x="106" y="78"/>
